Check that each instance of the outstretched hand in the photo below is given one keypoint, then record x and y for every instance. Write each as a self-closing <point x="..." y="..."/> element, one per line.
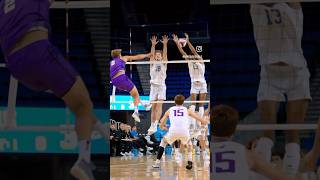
<point x="165" y="39"/>
<point x="154" y="40"/>
<point x="175" y="38"/>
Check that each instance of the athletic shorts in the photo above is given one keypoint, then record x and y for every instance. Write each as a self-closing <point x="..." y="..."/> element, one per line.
<point x="279" y="82"/>
<point x="157" y="92"/>
<point x="123" y="83"/>
<point x="198" y="88"/>
<point x="41" y="66"/>
<point x="174" y="135"/>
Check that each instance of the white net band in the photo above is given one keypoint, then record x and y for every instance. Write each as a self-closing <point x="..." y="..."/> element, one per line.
<point x="169" y="62"/>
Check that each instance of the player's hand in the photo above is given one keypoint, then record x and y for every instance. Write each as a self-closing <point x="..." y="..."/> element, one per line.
<point x="154" y="40"/>
<point x="175" y="38"/>
<point x="165" y="39"/>
<point x="187" y="36"/>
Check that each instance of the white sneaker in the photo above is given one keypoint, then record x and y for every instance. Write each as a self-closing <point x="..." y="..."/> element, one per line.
<point x="82" y="170"/>
<point x="135" y="116"/>
<point x="156" y="164"/>
<point x="153" y="128"/>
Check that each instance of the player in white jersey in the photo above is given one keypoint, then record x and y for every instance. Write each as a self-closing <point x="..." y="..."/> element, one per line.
<point x="179" y="128"/>
<point x="198" y="81"/>
<point x="158" y="74"/>
<point x="278" y="30"/>
<point x="231" y="160"/>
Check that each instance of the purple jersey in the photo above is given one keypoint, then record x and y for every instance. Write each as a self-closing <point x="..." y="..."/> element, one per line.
<point x="116" y="65"/>
<point x="18" y="17"/>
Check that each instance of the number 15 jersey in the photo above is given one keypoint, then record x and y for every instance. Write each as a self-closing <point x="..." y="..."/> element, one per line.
<point x="179" y="119"/>
<point x="229" y="161"/>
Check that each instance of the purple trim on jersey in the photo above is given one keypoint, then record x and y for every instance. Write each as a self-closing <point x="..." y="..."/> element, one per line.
<point x="123" y="83"/>
<point x="116" y="65"/>
<point x="40" y="66"/>
<point x="19" y="17"/>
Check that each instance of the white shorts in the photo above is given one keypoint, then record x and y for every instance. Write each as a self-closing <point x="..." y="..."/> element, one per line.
<point x="198" y="88"/>
<point x="157" y="92"/>
<point x="174" y="135"/>
<point x="279" y="82"/>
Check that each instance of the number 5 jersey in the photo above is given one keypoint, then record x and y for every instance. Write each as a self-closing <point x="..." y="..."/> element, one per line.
<point x="229" y="161"/>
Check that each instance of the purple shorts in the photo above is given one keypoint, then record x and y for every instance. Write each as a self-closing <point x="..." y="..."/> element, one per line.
<point x="40" y="66"/>
<point x="123" y="83"/>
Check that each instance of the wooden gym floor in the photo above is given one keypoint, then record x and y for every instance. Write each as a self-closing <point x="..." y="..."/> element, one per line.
<point x="140" y="168"/>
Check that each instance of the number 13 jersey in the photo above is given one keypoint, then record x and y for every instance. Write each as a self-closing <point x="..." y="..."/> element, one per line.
<point x="229" y="161"/>
<point x="278" y="31"/>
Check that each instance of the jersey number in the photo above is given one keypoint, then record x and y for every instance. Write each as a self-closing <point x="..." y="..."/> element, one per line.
<point x="195" y="66"/>
<point x="273" y="16"/>
<point x="9" y="5"/>
<point x="229" y="165"/>
<point x="178" y="112"/>
<point x="158" y="68"/>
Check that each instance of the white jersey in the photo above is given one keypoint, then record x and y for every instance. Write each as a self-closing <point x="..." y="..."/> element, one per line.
<point x="229" y="161"/>
<point x="158" y="74"/>
<point x="196" y="71"/>
<point x="179" y="119"/>
<point x="278" y="33"/>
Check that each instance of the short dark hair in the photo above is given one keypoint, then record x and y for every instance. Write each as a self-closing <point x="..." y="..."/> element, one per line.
<point x="225" y="120"/>
<point x="179" y="99"/>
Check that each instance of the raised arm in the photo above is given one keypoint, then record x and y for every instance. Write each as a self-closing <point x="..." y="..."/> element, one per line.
<point x="154" y="42"/>
<point x="164" y="41"/>
<point x="164" y="120"/>
<point x="193" y="50"/>
<point x="135" y="57"/>
<point x="197" y="117"/>
<point x="176" y="40"/>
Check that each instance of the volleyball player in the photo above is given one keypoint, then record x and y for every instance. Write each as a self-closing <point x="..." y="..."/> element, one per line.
<point x="121" y="81"/>
<point x="231" y="160"/>
<point x="35" y="62"/>
<point x="158" y="74"/>
<point x="179" y="128"/>
<point x="278" y="30"/>
<point x="196" y="71"/>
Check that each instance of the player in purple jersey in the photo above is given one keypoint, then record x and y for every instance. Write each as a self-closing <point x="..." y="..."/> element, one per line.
<point x="35" y="62"/>
<point x="121" y="81"/>
<point x="231" y="160"/>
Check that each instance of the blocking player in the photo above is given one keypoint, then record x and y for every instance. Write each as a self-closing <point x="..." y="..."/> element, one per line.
<point x="278" y="30"/>
<point x="158" y="74"/>
<point x="179" y="128"/>
<point x="231" y="160"/>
